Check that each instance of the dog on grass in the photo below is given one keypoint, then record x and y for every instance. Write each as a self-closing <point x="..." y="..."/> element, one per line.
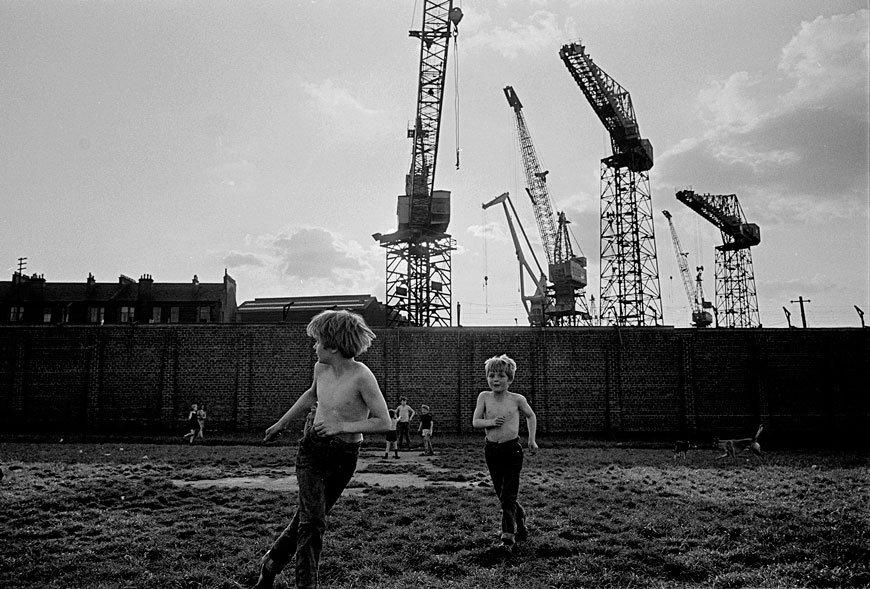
<point x="736" y="447"/>
<point x="681" y="448"/>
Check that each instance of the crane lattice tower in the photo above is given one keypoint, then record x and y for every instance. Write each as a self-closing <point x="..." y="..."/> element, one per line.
<point x="419" y="268"/>
<point x="629" y="289"/>
<point x="700" y="316"/>
<point x="566" y="272"/>
<point x="736" y="298"/>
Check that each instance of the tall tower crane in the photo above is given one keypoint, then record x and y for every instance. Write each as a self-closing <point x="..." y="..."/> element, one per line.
<point x="629" y="289"/>
<point x="538" y="305"/>
<point x="419" y="283"/>
<point x="567" y="272"/>
<point x="736" y="298"/>
<point x="700" y="316"/>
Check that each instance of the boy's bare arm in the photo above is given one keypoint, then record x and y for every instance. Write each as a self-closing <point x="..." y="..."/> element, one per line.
<point x="531" y="423"/>
<point x="300" y="407"/>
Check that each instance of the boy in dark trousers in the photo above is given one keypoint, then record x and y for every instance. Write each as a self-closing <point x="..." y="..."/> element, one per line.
<point x="426" y="430"/>
<point x="349" y="403"/>
<point x="498" y="413"/>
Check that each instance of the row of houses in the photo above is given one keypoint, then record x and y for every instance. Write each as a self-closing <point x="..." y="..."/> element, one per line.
<point x="33" y="300"/>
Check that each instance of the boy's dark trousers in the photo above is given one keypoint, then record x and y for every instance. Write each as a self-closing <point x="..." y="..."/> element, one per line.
<point x="324" y="467"/>
<point x="403" y="430"/>
<point x="505" y="461"/>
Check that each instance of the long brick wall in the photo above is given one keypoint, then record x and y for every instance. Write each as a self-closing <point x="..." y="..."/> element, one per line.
<point x="807" y="383"/>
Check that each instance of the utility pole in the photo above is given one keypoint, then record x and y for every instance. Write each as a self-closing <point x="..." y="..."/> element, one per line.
<point x="860" y="314"/>
<point x="788" y="317"/>
<point x="801" y="300"/>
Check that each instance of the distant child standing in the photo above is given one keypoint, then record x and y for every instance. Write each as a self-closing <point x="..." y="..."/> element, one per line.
<point x="200" y="420"/>
<point x="403" y="428"/>
<point x="192" y="424"/>
<point x="349" y="403"/>
<point x="498" y="413"/>
<point x="391" y="436"/>
<point x="426" y="430"/>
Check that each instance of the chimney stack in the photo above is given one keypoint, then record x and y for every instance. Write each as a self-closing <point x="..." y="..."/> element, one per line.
<point x="144" y="291"/>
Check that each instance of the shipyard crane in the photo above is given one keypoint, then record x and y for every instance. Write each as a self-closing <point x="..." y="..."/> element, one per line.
<point x="699" y="288"/>
<point x="629" y="288"/>
<point x="700" y="316"/>
<point x="567" y="272"/>
<point x="419" y="283"/>
<point x="538" y="305"/>
<point x="736" y="298"/>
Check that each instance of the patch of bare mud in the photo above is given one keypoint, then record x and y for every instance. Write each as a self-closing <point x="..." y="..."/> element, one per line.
<point x="265" y="478"/>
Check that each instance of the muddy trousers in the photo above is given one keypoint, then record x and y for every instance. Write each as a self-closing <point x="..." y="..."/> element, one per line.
<point x="505" y="462"/>
<point x="324" y="467"/>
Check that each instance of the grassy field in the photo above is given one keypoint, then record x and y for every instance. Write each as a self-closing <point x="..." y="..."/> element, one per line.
<point x="143" y="515"/>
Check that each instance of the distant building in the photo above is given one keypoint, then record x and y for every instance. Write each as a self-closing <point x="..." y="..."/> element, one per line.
<point x="32" y="300"/>
<point x="302" y="309"/>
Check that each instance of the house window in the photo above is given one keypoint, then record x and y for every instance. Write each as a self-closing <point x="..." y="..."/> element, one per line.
<point x="155" y="314"/>
<point x="127" y="314"/>
<point x="65" y="314"/>
<point x="46" y="315"/>
<point x="96" y="314"/>
<point x="173" y="315"/>
<point x="16" y="314"/>
<point x="204" y="314"/>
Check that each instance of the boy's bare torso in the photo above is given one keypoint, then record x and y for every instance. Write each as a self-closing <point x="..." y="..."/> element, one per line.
<point x="506" y="405"/>
<point x="338" y="395"/>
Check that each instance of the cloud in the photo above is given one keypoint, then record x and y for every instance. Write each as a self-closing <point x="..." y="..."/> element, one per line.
<point x="308" y="261"/>
<point x="331" y="98"/>
<point x="732" y="106"/>
<point x="313" y="255"/>
<point x="789" y="140"/>
<point x="536" y="34"/>
<point x="828" y="60"/>
<point x="238" y="260"/>
<point x="346" y="118"/>
<point x="494" y="231"/>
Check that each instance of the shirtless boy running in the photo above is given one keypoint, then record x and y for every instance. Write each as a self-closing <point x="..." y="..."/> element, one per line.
<point x="349" y="403"/>
<point x="498" y="413"/>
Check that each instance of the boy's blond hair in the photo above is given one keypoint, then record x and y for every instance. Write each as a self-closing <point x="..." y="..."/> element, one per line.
<point x="501" y="363"/>
<point x="341" y="330"/>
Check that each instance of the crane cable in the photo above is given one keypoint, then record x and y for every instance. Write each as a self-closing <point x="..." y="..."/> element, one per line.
<point x="456" y="89"/>
<point x="485" y="262"/>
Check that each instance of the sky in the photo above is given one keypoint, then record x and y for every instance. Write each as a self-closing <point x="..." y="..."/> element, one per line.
<point x="269" y="140"/>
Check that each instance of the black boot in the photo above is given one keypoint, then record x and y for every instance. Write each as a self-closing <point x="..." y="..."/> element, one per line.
<point x="267" y="577"/>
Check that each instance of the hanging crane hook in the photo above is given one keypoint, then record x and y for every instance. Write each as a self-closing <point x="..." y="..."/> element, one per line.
<point x="455" y="15"/>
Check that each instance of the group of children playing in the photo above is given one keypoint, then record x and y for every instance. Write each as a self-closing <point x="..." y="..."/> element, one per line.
<point x="400" y="420"/>
<point x="346" y="402"/>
